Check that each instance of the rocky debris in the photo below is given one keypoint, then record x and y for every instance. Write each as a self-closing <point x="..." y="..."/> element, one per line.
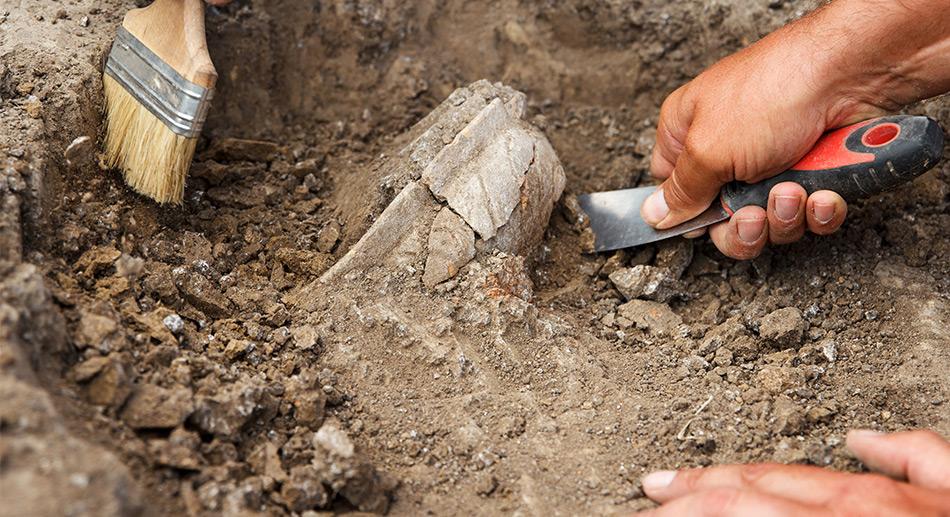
<point x="46" y="470"/>
<point x="783" y="327"/>
<point x="79" y="151"/>
<point x="304" y="489"/>
<point x="179" y="451"/>
<point x="789" y="416"/>
<point x="109" y="385"/>
<point x="198" y="290"/>
<point x="96" y="260"/>
<point x="306" y="393"/>
<point x="305" y="336"/>
<point x="724" y="334"/>
<point x="127" y="266"/>
<point x="231" y="408"/>
<point x="645" y="282"/>
<point x="239" y="149"/>
<point x="451" y="246"/>
<point x="346" y="473"/>
<point x="265" y="461"/>
<point x="328" y="236"/>
<point x="655" y="317"/>
<point x="98" y="331"/>
<point x="505" y="275"/>
<point x="174" y="323"/>
<point x="675" y="255"/>
<point x="154" y="407"/>
<point x="777" y="379"/>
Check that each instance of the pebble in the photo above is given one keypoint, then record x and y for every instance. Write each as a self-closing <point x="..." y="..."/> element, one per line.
<point x="174" y="324"/>
<point x="783" y="327"/>
<point x="645" y="282"/>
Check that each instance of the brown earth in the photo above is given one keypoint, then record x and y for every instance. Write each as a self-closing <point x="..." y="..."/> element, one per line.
<point x="163" y="360"/>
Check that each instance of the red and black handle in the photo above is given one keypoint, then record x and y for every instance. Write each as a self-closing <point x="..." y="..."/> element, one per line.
<point x="856" y="161"/>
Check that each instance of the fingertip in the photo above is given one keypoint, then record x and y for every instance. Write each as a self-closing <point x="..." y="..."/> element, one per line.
<point x="744" y="235"/>
<point x="786" y="212"/>
<point x="655" y="209"/>
<point x="825" y="212"/>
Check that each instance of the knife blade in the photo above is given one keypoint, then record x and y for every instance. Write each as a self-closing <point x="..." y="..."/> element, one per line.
<point x="857" y="161"/>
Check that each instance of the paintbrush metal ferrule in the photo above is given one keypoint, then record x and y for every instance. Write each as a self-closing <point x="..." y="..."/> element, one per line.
<point x="179" y="103"/>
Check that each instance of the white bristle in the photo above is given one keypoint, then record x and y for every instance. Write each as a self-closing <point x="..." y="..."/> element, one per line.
<point x="153" y="158"/>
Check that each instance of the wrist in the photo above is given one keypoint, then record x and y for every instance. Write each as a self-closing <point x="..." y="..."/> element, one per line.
<point x="877" y="54"/>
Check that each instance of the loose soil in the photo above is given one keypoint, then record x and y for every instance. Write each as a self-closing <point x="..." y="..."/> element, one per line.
<point x="192" y="346"/>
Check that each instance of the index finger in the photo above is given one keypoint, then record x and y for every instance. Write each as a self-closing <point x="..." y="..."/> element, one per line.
<point x="804" y="484"/>
<point x="734" y="503"/>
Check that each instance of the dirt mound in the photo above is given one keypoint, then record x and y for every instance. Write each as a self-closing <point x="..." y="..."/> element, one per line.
<point x="243" y="353"/>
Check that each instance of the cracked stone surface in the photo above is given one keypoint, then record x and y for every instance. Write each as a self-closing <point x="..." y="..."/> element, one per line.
<point x="451" y="246"/>
<point x="476" y="169"/>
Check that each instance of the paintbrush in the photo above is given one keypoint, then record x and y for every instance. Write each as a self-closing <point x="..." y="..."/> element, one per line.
<point x="158" y="83"/>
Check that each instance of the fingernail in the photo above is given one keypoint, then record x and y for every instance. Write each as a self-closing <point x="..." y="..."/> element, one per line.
<point x="824" y="212"/>
<point x="654" y="208"/>
<point x="786" y="207"/>
<point x="750" y="229"/>
<point x="658" y="480"/>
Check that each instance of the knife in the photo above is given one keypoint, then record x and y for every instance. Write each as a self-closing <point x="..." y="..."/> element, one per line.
<point x="857" y="161"/>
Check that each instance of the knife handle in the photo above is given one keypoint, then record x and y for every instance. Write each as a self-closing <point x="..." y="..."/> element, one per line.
<point x="857" y="161"/>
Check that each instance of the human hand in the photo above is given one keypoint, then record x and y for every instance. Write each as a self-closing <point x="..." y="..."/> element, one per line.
<point x="918" y="463"/>
<point x="756" y="112"/>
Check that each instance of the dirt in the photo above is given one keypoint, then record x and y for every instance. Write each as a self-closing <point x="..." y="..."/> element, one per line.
<point x="170" y="360"/>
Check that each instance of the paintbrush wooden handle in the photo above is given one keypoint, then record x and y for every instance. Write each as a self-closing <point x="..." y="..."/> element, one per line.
<point x="175" y="30"/>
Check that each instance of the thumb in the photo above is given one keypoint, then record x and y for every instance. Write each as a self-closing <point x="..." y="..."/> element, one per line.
<point x="921" y="457"/>
<point x="688" y="191"/>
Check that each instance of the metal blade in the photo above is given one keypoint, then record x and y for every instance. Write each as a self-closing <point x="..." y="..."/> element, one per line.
<point x="616" y="222"/>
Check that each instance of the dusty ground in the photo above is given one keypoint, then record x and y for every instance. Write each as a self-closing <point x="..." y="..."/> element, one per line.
<point x="159" y="360"/>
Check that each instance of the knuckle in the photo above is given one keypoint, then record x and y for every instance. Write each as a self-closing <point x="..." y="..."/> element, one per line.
<point x="750" y="474"/>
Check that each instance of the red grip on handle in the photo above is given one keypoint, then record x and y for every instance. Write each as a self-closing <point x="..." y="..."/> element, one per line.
<point x="830" y="151"/>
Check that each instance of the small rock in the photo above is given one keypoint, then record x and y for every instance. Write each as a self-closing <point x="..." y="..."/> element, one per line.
<point x="305" y="336"/>
<point x="328" y="237"/>
<point x="87" y="369"/>
<point x="231" y="409"/>
<point x="645" y="282"/>
<point x="265" y="460"/>
<point x="129" y="267"/>
<point x="695" y="364"/>
<point x="821" y="414"/>
<point x="724" y="334"/>
<point x="111" y="386"/>
<point x="485" y="484"/>
<point x="179" y="451"/>
<point x="776" y="379"/>
<point x="97" y="331"/>
<point x="197" y="290"/>
<point x="830" y="350"/>
<point x="675" y="255"/>
<point x="304" y="490"/>
<point x="154" y="407"/>
<point x="333" y="440"/>
<point x="79" y="151"/>
<point x="654" y="317"/>
<point x="789" y="417"/>
<point x="33" y="107"/>
<point x="783" y="327"/>
<point x="174" y="323"/>
<point x="723" y="357"/>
